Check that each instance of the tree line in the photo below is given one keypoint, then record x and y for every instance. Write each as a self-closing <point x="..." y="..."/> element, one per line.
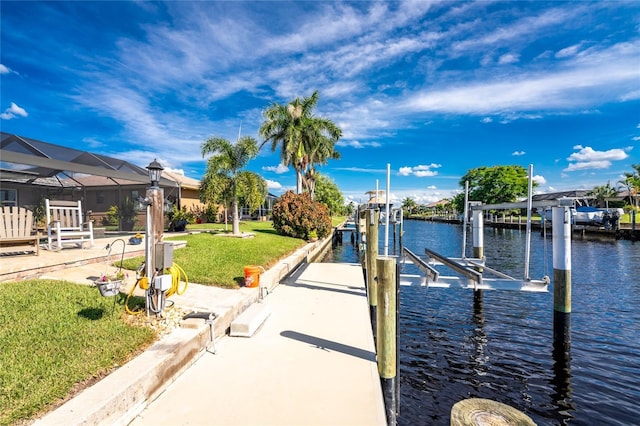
<point x="507" y="184"/>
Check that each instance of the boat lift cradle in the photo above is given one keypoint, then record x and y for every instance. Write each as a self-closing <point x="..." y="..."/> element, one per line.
<point x="471" y="269"/>
<point x="470" y="276"/>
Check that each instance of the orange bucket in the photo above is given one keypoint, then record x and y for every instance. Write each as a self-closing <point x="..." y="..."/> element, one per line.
<point x="252" y="276"/>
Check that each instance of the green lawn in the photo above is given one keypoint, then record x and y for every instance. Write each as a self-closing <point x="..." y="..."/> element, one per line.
<point x="54" y="335"/>
<point x="212" y="259"/>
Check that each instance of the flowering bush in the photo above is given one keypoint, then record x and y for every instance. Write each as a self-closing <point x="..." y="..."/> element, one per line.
<point x="298" y="216"/>
<point x="118" y="276"/>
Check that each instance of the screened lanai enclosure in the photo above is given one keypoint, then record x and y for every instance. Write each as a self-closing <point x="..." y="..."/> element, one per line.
<point x="32" y="170"/>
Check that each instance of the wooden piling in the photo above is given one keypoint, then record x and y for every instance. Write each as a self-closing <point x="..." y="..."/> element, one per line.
<point x="561" y="230"/>
<point x="361" y="226"/>
<point x="561" y="236"/>
<point x="401" y="229"/>
<point x="386" y="345"/>
<point x="480" y="411"/>
<point x="372" y="219"/>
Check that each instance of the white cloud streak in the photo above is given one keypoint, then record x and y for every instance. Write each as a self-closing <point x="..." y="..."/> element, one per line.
<point x="279" y="169"/>
<point x="13" y="111"/>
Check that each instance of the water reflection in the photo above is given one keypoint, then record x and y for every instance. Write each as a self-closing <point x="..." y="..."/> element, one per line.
<point x="479" y="336"/>
<point x="561" y="382"/>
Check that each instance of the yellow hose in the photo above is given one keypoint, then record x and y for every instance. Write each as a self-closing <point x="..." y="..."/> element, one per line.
<point x="176" y="273"/>
<point x="126" y="303"/>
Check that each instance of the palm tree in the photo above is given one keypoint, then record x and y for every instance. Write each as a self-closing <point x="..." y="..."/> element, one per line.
<point x="409" y="204"/>
<point x="216" y="189"/>
<point x="224" y="174"/>
<point x="632" y="183"/>
<point x="602" y="193"/>
<point x="252" y="190"/>
<point x="320" y="152"/>
<point x="299" y="134"/>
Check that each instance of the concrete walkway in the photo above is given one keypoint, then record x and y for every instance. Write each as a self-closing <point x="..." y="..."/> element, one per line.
<point x="311" y="363"/>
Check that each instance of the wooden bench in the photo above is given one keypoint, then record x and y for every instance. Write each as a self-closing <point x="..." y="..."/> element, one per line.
<point x="16" y="228"/>
<point x="65" y="224"/>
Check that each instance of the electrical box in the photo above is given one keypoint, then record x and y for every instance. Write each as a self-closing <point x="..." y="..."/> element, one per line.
<point x="164" y="256"/>
<point x="162" y="282"/>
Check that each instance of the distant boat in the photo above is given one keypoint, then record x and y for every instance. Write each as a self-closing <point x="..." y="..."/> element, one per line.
<point x="586" y="215"/>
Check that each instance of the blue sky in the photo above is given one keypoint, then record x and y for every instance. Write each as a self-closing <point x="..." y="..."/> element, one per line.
<point x="432" y="88"/>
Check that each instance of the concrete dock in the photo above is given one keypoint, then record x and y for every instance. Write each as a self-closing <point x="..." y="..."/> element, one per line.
<point x="312" y="362"/>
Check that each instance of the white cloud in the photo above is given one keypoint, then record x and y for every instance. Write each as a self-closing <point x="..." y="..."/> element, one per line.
<point x="272" y="184"/>
<point x="356" y="144"/>
<point x="93" y="142"/>
<point x="630" y="96"/>
<point x="174" y="171"/>
<point x="13" y="111"/>
<point x="419" y="171"/>
<point x="430" y="166"/>
<point x="405" y="171"/>
<point x="508" y="58"/>
<point x="518" y="153"/>
<point x="580" y="84"/>
<point x="587" y="165"/>
<point x="587" y="158"/>
<point x="424" y="173"/>
<point x="4" y="69"/>
<point x="487" y="120"/>
<point x="540" y="180"/>
<point x="279" y="169"/>
<point x="361" y="170"/>
<point x="568" y="51"/>
<point x="589" y="154"/>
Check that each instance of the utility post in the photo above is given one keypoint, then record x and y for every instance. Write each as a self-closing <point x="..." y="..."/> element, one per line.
<point x="154" y="229"/>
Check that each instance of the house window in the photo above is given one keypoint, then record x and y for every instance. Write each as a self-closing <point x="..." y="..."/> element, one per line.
<point x="99" y="197"/>
<point x="8" y="197"/>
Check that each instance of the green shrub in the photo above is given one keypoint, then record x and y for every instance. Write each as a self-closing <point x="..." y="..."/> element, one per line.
<point x="112" y="217"/>
<point x="211" y="213"/>
<point x="297" y="215"/>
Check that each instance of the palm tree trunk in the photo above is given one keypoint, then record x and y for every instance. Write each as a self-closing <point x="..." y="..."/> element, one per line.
<point x="298" y="182"/>
<point x="236" y="217"/>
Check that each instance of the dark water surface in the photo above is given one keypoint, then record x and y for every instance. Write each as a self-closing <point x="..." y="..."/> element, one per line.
<point x="499" y="344"/>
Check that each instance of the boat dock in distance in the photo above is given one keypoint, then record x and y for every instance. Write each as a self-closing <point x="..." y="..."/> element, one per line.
<point x="623" y="231"/>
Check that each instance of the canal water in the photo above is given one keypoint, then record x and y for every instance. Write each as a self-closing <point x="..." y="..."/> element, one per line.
<point x="455" y="344"/>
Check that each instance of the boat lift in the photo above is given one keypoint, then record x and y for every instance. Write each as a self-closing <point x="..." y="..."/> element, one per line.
<point x="472" y="275"/>
<point x="472" y="270"/>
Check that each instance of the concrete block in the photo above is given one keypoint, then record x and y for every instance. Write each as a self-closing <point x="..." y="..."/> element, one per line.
<point x="246" y="324"/>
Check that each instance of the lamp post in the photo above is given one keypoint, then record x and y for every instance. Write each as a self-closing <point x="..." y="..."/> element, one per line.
<point x="155" y="171"/>
<point x="155" y="224"/>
